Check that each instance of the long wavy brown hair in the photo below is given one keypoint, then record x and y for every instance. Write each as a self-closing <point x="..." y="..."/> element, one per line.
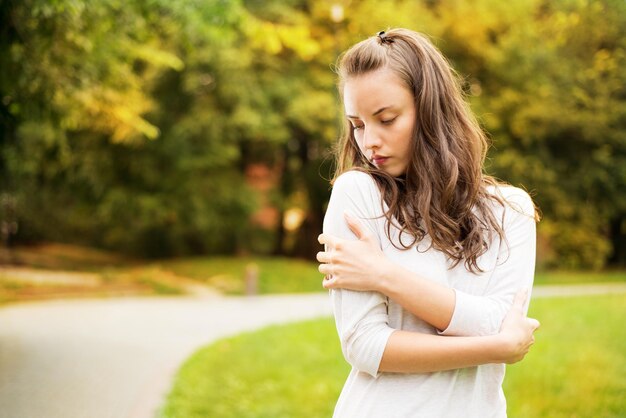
<point x="444" y="191"/>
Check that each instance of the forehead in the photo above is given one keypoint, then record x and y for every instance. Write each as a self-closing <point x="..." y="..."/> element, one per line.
<point x="366" y="93"/>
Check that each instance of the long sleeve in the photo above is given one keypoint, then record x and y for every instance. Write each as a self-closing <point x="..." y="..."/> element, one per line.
<point x="361" y="317"/>
<point x="514" y="270"/>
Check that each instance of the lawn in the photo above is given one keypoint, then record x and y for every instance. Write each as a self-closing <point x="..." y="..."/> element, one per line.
<point x="576" y="369"/>
<point x="285" y="275"/>
<point x="578" y="366"/>
<point x="579" y="277"/>
<point x="60" y="271"/>
<point x="279" y="372"/>
<point x="111" y="274"/>
<point x="227" y="274"/>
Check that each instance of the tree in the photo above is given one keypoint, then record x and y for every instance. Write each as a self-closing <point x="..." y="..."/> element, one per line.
<point x="132" y="125"/>
<point x="553" y="96"/>
<point x="79" y="86"/>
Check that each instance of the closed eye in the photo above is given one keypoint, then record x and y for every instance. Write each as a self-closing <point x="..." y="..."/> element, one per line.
<point x="388" y="121"/>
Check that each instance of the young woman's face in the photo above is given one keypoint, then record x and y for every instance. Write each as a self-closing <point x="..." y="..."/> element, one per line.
<point x="381" y="109"/>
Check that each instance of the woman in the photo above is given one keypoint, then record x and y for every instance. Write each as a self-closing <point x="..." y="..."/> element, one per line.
<point x="427" y="257"/>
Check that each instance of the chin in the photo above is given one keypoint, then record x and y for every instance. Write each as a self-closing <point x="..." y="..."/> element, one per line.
<point x="395" y="173"/>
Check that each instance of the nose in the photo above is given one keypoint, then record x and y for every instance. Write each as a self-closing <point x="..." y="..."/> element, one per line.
<point x="371" y="138"/>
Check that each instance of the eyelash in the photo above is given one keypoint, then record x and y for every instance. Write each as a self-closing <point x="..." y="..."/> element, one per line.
<point x="384" y="122"/>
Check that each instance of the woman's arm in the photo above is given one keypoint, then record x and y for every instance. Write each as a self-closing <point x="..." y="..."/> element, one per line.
<point x="410" y="352"/>
<point x="361" y="265"/>
<point x="370" y="345"/>
<point x="367" y="341"/>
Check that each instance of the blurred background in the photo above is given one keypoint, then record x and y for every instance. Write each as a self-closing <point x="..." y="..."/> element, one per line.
<point x="171" y="128"/>
<point x="175" y="147"/>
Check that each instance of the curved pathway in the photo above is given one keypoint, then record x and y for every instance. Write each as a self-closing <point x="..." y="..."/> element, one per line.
<point x="115" y="358"/>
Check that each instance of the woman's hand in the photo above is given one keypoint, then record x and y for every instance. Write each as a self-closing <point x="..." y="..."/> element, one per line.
<point x="517" y="331"/>
<point x="354" y="265"/>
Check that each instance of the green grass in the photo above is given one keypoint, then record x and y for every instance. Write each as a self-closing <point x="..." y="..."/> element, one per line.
<point x="579" y="277"/>
<point x="226" y="274"/>
<point x="279" y="372"/>
<point x="576" y="369"/>
<point x="284" y="275"/>
<point x="275" y="275"/>
<point x="57" y="256"/>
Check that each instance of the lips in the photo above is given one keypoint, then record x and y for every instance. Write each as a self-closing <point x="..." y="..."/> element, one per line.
<point x="379" y="159"/>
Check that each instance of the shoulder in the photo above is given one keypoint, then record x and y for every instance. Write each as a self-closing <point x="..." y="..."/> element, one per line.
<point x="359" y="189"/>
<point x="354" y="178"/>
<point x="355" y="192"/>
<point x="355" y="182"/>
<point x="516" y="200"/>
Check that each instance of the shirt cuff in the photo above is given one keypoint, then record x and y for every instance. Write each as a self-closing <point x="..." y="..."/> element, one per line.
<point x="372" y="353"/>
<point x="467" y="319"/>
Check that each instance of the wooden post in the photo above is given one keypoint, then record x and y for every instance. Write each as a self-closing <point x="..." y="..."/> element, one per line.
<point x="252" y="279"/>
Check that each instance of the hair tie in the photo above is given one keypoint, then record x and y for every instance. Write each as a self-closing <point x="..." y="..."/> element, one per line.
<point x="384" y="38"/>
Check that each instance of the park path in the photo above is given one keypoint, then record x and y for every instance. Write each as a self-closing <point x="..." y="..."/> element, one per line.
<point x="115" y="358"/>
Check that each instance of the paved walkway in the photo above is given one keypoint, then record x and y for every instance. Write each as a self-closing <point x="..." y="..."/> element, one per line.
<point x="115" y="358"/>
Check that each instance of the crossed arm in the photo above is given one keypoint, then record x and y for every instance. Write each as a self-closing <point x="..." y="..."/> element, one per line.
<point x="360" y="265"/>
<point x="412" y="352"/>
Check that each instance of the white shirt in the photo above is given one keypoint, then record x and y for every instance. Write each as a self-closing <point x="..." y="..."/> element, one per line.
<point x="365" y="320"/>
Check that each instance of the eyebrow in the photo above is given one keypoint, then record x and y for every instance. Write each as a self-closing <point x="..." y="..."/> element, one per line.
<point x="382" y="109"/>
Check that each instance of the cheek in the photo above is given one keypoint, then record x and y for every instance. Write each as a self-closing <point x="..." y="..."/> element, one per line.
<point x="405" y="133"/>
<point x="408" y="126"/>
<point x="359" y="143"/>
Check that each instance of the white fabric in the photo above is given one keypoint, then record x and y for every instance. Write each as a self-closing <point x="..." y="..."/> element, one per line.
<point x="365" y="320"/>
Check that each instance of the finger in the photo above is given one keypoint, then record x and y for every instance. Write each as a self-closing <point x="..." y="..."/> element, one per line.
<point x="356" y="226"/>
<point x="325" y="269"/>
<point x="534" y="323"/>
<point x="329" y="283"/>
<point x="328" y="240"/>
<point x="327" y="278"/>
<point x="519" y="300"/>
<point x="324" y="257"/>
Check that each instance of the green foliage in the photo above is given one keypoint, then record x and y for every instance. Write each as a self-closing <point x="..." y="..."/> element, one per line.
<point x="552" y="88"/>
<point x="575" y="369"/>
<point x="79" y="153"/>
<point x="72" y="64"/>
<point x="130" y="125"/>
